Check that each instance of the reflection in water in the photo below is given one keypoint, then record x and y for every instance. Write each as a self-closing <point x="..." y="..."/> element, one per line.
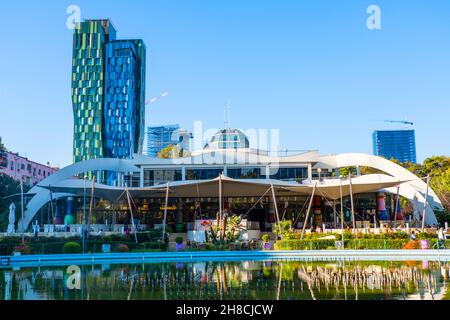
<point x="273" y="280"/>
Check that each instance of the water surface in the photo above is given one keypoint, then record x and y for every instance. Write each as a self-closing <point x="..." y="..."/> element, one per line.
<point x="253" y="280"/>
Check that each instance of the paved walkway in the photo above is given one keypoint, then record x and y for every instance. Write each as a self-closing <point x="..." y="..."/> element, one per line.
<point x="196" y="256"/>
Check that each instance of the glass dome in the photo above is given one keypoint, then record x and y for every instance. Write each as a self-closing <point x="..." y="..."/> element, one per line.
<point x="228" y="139"/>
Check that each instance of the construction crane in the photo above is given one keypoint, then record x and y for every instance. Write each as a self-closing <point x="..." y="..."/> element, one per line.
<point x="405" y="123"/>
<point x="152" y="100"/>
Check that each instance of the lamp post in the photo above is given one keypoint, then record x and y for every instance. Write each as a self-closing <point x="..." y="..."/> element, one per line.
<point x="84" y="215"/>
<point x="426" y="203"/>
<point x="319" y="171"/>
<point x="21" y="201"/>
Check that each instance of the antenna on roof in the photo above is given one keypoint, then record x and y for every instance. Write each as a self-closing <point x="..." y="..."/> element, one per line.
<point x="226" y="116"/>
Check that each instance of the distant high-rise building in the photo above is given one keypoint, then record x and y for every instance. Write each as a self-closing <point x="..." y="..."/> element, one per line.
<point x="160" y="137"/>
<point x="108" y="92"/>
<point x="395" y="144"/>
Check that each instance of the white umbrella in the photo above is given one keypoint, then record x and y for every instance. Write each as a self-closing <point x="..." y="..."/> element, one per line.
<point x="12" y="218"/>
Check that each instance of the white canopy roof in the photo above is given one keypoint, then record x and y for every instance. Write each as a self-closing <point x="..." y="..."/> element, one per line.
<point x="330" y="188"/>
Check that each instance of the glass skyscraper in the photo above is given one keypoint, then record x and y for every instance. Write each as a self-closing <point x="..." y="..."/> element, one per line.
<point x="160" y="137"/>
<point x="108" y="92"/>
<point x="395" y="144"/>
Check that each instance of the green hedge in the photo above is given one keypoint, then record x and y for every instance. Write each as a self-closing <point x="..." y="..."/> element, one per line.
<point x="72" y="247"/>
<point x="349" y="244"/>
<point x="348" y="235"/>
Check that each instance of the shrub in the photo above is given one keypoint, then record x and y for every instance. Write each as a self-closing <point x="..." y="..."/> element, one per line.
<point x="426" y="235"/>
<point x="122" y="248"/>
<point x="265" y="237"/>
<point x="154" y="245"/>
<point x="23" y="249"/>
<point x="179" y="240"/>
<point x="412" y="245"/>
<point x="107" y="239"/>
<point x="303" y="244"/>
<point x="118" y="237"/>
<point x="71" y="247"/>
<point x="286" y="229"/>
<point x="375" y="244"/>
<point x="210" y="246"/>
<point x="315" y="244"/>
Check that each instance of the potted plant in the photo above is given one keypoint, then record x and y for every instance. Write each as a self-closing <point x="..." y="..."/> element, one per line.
<point x="179" y="243"/>
<point x="266" y="239"/>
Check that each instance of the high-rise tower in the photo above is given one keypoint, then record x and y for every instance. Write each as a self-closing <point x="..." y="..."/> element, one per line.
<point x="108" y="92"/>
<point x="395" y="144"/>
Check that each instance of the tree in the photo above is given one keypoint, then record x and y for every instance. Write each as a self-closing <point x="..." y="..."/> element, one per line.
<point x="172" y="151"/>
<point x="8" y="188"/>
<point x="345" y="171"/>
<point x="438" y="168"/>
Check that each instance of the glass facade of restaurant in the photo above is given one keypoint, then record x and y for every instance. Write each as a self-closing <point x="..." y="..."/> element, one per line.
<point x="246" y="173"/>
<point x="290" y="174"/>
<point x="153" y="177"/>
<point x="203" y="174"/>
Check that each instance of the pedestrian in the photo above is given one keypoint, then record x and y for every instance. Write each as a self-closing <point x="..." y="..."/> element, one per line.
<point x="441" y="237"/>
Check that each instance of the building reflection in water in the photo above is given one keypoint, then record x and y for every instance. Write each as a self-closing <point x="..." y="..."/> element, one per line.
<point x="234" y="280"/>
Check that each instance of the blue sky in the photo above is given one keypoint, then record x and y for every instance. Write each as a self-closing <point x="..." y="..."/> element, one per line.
<point x="309" y="68"/>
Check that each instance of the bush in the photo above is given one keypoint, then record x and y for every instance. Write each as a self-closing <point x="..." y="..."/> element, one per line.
<point x="375" y="244"/>
<point x="107" y="239"/>
<point x="122" y="248"/>
<point x="179" y="240"/>
<point x="71" y="247"/>
<point x="412" y="245"/>
<point x="315" y="244"/>
<point x="426" y="236"/>
<point x="154" y="246"/>
<point x="118" y="237"/>
<point x="265" y="237"/>
<point x="303" y="244"/>
<point x="210" y="246"/>
<point x="23" y="249"/>
<point x="286" y="229"/>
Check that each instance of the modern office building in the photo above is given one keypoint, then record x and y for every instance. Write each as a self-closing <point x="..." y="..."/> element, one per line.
<point x="160" y="137"/>
<point x="108" y="92"/>
<point x="395" y="144"/>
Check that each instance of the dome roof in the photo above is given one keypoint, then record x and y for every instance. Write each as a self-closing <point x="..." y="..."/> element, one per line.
<point x="228" y="139"/>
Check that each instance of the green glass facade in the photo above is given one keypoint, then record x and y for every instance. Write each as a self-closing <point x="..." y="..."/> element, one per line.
<point x="93" y="133"/>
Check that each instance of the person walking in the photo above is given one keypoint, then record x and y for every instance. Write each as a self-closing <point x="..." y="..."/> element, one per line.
<point x="441" y="237"/>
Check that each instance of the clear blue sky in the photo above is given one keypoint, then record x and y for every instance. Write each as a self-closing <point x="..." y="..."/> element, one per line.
<point x="310" y="68"/>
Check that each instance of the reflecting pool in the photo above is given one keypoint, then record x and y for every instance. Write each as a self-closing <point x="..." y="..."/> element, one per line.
<point x="284" y="280"/>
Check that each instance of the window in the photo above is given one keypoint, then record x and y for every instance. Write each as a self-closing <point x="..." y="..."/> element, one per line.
<point x="203" y="174"/>
<point x="290" y="174"/>
<point x="245" y="173"/>
<point x="161" y="176"/>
